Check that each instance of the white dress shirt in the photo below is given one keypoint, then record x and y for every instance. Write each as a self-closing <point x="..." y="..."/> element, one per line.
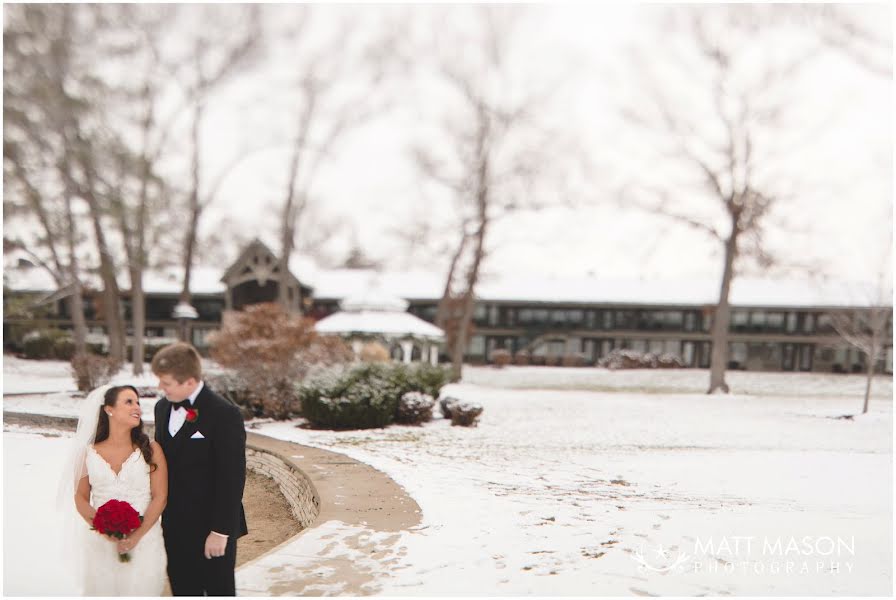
<point x="177" y="418"/>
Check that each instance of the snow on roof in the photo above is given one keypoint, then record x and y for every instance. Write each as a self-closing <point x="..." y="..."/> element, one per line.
<point x="410" y="285"/>
<point x="203" y="280"/>
<point x="375" y="302"/>
<point x="389" y="323"/>
<point x="426" y="285"/>
<point x="340" y="284"/>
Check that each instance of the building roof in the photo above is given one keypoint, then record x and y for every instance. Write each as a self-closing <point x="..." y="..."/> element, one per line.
<point x="339" y="284"/>
<point x="375" y="322"/>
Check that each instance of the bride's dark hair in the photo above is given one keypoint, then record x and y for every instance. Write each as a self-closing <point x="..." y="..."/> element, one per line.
<point x="138" y="436"/>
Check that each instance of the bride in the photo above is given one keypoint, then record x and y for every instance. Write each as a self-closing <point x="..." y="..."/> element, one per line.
<point x="113" y="459"/>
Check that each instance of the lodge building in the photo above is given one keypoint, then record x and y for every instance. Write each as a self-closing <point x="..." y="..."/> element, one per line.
<point x="774" y="326"/>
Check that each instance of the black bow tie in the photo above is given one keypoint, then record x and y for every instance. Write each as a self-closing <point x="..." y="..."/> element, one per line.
<point x="183" y="405"/>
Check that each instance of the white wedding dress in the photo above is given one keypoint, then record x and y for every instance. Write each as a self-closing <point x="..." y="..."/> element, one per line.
<point x="104" y="574"/>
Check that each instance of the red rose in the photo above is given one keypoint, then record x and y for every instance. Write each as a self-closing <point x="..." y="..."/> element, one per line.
<point x="192" y="415"/>
<point x="117" y="519"/>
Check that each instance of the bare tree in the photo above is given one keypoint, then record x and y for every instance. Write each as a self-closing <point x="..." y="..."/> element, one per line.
<point x="215" y="57"/>
<point x="718" y="129"/>
<point x="332" y="93"/>
<point x="52" y="104"/>
<point x="491" y="152"/>
<point x="137" y="207"/>
<point x="58" y="236"/>
<point x="866" y="330"/>
<point x="869" y="327"/>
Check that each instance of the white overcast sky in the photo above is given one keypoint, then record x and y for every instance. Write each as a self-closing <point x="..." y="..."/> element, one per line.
<point x="371" y="186"/>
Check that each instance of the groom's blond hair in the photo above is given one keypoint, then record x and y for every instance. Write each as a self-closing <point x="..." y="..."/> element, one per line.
<point x="180" y="360"/>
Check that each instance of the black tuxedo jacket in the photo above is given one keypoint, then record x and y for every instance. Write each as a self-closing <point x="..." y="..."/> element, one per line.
<point x="207" y="474"/>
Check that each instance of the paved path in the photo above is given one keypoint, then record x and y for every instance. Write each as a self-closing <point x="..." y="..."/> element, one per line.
<point x="362" y="514"/>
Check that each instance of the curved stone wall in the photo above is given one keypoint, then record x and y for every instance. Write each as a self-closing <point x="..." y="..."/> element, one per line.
<point x="295" y="486"/>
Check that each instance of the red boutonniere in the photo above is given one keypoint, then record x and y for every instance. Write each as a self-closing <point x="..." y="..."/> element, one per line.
<point x="192" y="415"/>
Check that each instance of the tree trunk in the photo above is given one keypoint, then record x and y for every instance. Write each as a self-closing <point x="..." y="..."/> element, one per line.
<point x="722" y="318"/>
<point x="287" y="231"/>
<point x="138" y="320"/>
<point x="469" y="304"/>
<point x="137" y="257"/>
<point x="76" y="301"/>
<point x="444" y="302"/>
<point x="193" y="225"/>
<point x="291" y="209"/>
<point x="869" y="372"/>
<point x="111" y="292"/>
<point x="469" y="300"/>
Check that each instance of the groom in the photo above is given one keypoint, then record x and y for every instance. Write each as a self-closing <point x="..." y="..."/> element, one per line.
<point x="204" y="441"/>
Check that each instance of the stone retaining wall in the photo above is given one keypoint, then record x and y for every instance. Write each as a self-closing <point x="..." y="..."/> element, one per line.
<point x="294" y="484"/>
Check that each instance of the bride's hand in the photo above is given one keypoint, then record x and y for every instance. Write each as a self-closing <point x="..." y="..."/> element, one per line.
<point x="127" y="544"/>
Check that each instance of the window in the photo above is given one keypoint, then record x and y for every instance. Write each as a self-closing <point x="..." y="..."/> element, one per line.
<point x="664" y="347"/>
<point x="626" y="319"/>
<point x="510" y="316"/>
<point x="480" y="313"/>
<point x="477" y="346"/>
<point x="588" y="349"/>
<point x="606" y="346"/>
<point x="707" y="320"/>
<point x="556" y="348"/>
<point x="637" y="345"/>
<point x="764" y="355"/>
<point x="740" y="320"/>
<point x="806" y="351"/>
<point x="791" y="322"/>
<point x="590" y="319"/>
<point x="607" y="319"/>
<point x="209" y="309"/>
<point x="787" y="363"/>
<point x="774" y="321"/>
<point x="533" y="316"/>
<point x="493" y="315"/>
<point x="737" y="354"/>
<point x="160" y="309"/>
<point x="705" y="354"/>
<point x="807" y="322"/>
<point x="674" y="320"/>
<point x="824" y="324"/>
<point x="757" y="321"/>
<point x="690" y="321"/>
<point x="687" y="353"/>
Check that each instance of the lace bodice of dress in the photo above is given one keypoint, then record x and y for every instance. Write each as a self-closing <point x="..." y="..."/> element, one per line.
<point x="130" y="485"/>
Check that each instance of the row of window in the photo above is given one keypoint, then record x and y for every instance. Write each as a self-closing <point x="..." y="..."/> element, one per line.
<point x="741" y="355"/>
<point x="742" y="321"/>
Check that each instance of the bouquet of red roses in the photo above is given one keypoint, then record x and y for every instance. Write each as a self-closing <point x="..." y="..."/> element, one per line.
<point x="118" y="519"/>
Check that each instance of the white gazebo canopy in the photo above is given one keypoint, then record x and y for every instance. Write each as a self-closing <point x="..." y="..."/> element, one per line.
<point x="376" y="314"/>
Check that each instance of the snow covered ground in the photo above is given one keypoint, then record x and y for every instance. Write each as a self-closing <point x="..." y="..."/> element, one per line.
<point x="587" y="491"/>
<point x="580" y="492"/>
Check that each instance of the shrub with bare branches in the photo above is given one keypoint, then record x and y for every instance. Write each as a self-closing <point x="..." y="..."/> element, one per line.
<point x="91" y="371"/>
<point x="272" y="350"/>
<point x="501" y="358"/>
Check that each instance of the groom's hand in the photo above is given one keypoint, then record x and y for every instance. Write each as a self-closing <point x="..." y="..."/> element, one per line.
<point x="215" y="545"/>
